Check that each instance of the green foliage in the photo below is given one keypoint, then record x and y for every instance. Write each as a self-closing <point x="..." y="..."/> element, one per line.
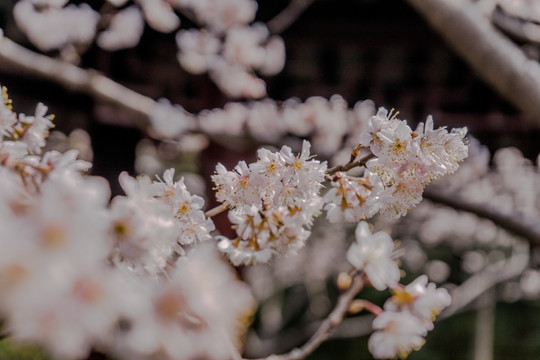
<point x="10" y="350"/>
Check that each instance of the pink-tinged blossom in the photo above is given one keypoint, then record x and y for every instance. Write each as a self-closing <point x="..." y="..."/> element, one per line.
<point x="396" y="335"/>
<point x="372" y="253"/>
<point x="406" y="161"/>
<point x="370" y="137"/>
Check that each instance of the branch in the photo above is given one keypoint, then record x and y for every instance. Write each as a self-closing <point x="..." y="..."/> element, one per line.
<point x="215" y="211"/>
<point x="350" y="165"/>
<point x="75" y="78"/>
<point x="479" y="283"/>
<point x="514" y="223"/>
<point x="491" y="54"/>
<point x="327" y="326"/>
<point x="288" y="16"/>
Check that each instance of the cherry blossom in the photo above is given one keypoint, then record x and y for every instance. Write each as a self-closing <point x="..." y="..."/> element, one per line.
<point x="396" y="335"/>
<point x="423" y="300"/>
<point x="372" y="253"/>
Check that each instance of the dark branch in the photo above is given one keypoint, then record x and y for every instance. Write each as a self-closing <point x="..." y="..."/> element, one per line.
<point x="514" y="223"/>
<point x="288" y="16"/>
<point x="350" y="165"/>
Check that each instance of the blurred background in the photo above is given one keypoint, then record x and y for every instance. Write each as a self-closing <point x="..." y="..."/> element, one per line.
<point x="380" y="50"/>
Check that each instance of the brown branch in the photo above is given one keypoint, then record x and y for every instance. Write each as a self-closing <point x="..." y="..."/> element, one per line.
<point x="327" y="326"/>
<point x="514" y="223"/>
<point x="288" y="16"/>
<point x="350" y="165"/>
<point x="490" y="53"/>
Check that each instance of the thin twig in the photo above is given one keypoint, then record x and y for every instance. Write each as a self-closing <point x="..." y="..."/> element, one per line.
<point x="491" y="54"/>
<point x="327" y="326"/>
<point x="515" y="223"/>
<point x="288" y="16"/>
<point x="350" y="165"/>
<point x="463" y="296"/>
<point x="215" y="211"/>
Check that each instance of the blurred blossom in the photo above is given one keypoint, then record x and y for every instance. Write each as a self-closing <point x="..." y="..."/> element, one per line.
<point x="159" y="15"/>
<point x="486" y="231"/>
<point x="396" y="335"/>
<point x="78" y="139"/>
<point x="169" y="120"/>
<point x="147" y="160"/>
<point x="124" y="31"/>
<point x="530" y="283"/>
<point x="473" y="261"/>
<point x="511" y="291"/>
<point x="197" y="49"/>
<point x="414" y="257"/>
<point x="437" y="270"/>
<point x="56" y="27"/>
<point x="220" y="16"/>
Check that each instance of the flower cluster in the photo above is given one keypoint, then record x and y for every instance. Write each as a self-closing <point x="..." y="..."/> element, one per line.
<point x="93" y="274"/>
<point x="232" y="57"/>
<point x="408" y="315"/>
<point x="405" y="162"/>
<point x="137" y="276"/>
<point x="153" y="220"/>
<point x="271" y="202"/>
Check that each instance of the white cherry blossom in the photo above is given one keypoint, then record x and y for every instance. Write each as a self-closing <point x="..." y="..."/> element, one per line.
<point x="396" y="335"/>
<point x="372" y="253"/>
